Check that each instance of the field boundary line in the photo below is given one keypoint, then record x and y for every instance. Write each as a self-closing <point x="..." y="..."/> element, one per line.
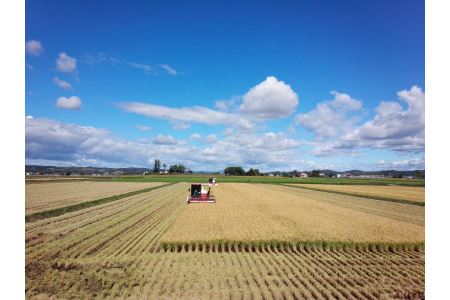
<point x="380" y="198"/>
<point x="75" y="207"/>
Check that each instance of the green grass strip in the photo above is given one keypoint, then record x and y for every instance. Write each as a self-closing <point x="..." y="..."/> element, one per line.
<point x="359" y="195"/>
<point x="258" y="245"/>
<point x="268" y="179"/>
<point x="71" y="208"/>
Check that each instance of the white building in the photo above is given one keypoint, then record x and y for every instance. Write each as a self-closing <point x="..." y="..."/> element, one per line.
<point x="303" y="175"/>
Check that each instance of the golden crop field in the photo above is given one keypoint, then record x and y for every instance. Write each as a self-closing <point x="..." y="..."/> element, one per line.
<point x="44" y="196"/>
<point x="408" y="193"/>
<point x="116" y="249"/>
<point x="265" y="212"/>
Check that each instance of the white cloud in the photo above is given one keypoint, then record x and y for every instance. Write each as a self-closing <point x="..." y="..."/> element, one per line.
<point x="407" y="164"/>
<point x="211" y="139"/>
<point x="393" y="127"/>
<point x="267" y="141"/>
<point x="33" y="47"/>
<point x="331" y="118"/>
<point x="65" y="63"/>
<point x="169" y="69"/>
<point x="73" y="144"/>
<point x="72" y="103"/>
<point x="149" y="69"/>
<point x="177" y="125"/>
<point x="144" y="67"/>
<point x="62" y="83"/>
<point x="143" y="127"/>
<point x="29" y="117"/>
<point x="195" y="136"/>
<point x="50" y="140"/>
<point x="195" y="114"/>
<point x="229" y="131"/>
<point x="228" y="104"/>
<point x="57" y="143"/>
<point x="271" y="99"/>
<point x="164" y="140"/>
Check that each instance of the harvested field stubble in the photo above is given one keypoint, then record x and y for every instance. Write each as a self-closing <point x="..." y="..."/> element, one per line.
<point x="114" y="250"/>
<point x="406" y="193"/>
<point x="271" y="212"/>
<point x="45" y="196"/>
<point x="279" y="274"/>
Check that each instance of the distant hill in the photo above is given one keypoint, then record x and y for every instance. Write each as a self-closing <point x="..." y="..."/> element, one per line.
<point x="83" y="170"/>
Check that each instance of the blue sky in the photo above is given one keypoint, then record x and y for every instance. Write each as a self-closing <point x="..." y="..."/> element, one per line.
<point x="272" y="85"/>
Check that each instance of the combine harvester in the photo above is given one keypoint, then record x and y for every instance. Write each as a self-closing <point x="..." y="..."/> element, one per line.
<point x="201" y="192"/>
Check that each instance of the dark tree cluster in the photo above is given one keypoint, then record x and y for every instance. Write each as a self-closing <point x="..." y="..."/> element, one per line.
<point x="179" y="169"/>
<point x="239" y="171"/>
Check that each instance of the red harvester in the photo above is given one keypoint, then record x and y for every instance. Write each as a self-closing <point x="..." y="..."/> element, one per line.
<point x="200" y="193"/>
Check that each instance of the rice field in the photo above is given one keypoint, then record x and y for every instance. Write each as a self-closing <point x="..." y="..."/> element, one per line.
<point x="272" y="212"/>
<point x="119" y="249"/>
<point x="50" y="195"/>
<point x="406" y="193"/>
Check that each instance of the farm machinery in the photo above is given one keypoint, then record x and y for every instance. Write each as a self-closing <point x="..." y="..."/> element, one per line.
<point x="201" y="193"/>
<point x="212" y="182"/>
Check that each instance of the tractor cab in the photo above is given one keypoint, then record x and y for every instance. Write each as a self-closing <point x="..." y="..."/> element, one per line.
<point x="200" y="193"/>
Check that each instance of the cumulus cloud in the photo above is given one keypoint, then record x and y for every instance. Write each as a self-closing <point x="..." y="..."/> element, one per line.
<point x="62" y="84"/>
<point x="169" y="69"/>
<point x="70" y="144"/>
<point x="71" y="103"/>
<point x="271" y="99"/>
<point x="331" y="118"/>
<point x="143" y="127"/>
<point x="33" y="47"/>
<point x="164" y="140"/>
<point x="65" y="63"/>
<point x="393" y="127"/>
<point x="73" y="144"/>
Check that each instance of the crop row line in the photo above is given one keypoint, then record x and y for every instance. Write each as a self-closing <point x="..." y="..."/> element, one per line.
<point x="373" y="197"/>
<point x="71" y="208"/>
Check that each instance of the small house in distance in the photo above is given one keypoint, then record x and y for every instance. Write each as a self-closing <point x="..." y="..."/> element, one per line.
<point x="303" y="175"/>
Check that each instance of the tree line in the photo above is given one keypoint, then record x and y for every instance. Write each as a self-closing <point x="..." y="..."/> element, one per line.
<point x="173" y="169"/>
<point x="239" y="171"/>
